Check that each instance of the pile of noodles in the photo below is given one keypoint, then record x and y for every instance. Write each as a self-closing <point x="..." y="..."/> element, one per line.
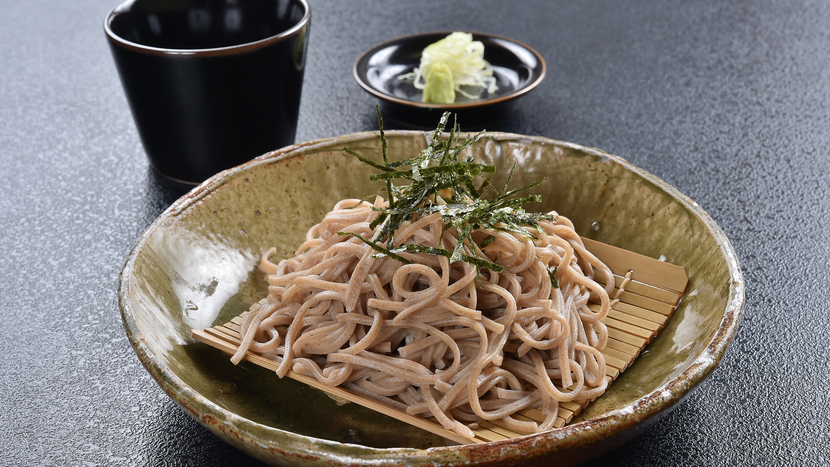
<point x="433" y="338"/>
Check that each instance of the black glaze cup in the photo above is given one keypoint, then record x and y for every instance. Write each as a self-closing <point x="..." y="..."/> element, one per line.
<point x="210" y="83"/>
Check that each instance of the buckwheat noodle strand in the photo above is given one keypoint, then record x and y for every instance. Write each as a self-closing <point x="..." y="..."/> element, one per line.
<point x="434" y="338"/>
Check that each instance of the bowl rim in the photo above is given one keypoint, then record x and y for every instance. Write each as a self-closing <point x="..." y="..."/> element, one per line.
<point x="237" y="429"/>
<point x="357" y="71"/>
<point x="245" y="47"/>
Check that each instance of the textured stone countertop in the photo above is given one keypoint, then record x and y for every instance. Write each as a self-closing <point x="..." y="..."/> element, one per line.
<point x="727" y="101"/>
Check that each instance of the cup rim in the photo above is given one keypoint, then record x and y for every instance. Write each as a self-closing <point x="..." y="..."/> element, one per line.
<point x="231" y="49"/>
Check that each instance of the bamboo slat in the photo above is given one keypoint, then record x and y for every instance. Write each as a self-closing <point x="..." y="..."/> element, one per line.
<point x="651" y="290"/>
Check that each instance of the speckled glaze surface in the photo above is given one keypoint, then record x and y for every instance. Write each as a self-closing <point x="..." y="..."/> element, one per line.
<point x="196" y="266"/>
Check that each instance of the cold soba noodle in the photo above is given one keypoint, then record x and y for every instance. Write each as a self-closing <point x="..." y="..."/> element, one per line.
<point x="442" y="303"/>
<point x="428" y="337"/>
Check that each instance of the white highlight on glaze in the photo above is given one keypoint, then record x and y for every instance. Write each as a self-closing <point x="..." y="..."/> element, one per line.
<point x="687" y="330"/>
<point x="148" y="306"/>
<point x="526" y="153"/>
<point x="208" y="274"/>
<point x="706" y="358"/>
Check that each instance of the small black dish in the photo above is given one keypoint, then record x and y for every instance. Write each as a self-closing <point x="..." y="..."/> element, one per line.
<point x="517" y="68"/>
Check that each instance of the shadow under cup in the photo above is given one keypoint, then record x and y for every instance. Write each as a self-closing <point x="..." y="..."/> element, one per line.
<point x="211" y="83"/>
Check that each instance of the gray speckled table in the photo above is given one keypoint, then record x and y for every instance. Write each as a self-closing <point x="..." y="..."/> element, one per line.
<point x="727" y="101"/>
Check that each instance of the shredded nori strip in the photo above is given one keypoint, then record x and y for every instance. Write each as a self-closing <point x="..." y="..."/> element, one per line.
<point x="553" y="282"/>
<point x="439" y="171"/>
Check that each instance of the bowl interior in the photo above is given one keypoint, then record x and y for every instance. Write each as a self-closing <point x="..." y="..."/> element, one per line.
<point x="196" y="267"/>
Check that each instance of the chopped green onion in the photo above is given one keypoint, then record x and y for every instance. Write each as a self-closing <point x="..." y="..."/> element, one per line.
<point x="454" y="64"/>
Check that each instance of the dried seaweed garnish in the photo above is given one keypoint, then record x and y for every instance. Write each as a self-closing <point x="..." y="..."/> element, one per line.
<point x="553" y="282"/>
<point x="440" y="172"/>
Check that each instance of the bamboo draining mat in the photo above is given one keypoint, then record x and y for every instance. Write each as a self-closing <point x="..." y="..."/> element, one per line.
<point x="649" y="297"/>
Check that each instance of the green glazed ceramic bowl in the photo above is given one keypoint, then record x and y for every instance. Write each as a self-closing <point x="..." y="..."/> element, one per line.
<point x="196" y="267"/>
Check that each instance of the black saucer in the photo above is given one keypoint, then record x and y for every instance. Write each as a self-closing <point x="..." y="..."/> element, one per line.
<point x="517" y="68"/>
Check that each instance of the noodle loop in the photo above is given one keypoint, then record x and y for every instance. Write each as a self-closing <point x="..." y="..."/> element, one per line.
<point x="436" y="338"/>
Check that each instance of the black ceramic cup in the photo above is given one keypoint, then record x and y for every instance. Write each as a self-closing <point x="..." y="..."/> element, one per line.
<point x="210" y="83"/>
